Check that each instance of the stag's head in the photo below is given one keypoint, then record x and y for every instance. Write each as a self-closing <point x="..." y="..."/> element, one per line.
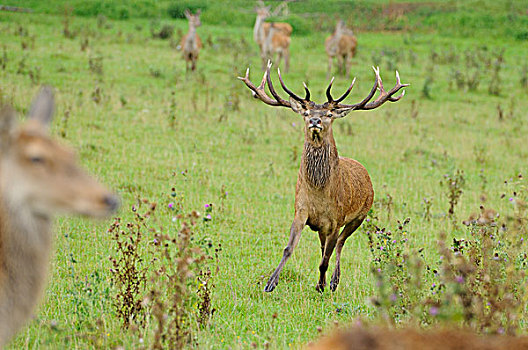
<point x="194" y="20"/>
<point x="318" y="118"/>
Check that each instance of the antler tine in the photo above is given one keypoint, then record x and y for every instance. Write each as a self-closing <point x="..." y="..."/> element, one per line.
<point x="288" y="91"/>
<point x="260" y="92"/>
<point x="272" y="89"/>
<point x="328" y="94"/>
<point x="307" y="98"/>
<point x="346" y="92"/>
<point x="383" y="97"/>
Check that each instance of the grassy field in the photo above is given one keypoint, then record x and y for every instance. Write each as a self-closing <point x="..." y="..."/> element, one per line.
<point x="148" y="130"/>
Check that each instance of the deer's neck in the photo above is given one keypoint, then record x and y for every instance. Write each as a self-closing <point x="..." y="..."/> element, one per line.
<point x="25" y="240"/>
<point x="334" y="41"/>
<point x="319" y="161"/>
<point x="190" y="40"/>
<point x="258" y="29"/>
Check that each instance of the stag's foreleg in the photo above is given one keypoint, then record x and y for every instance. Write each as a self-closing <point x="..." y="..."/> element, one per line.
<point x="349" y="229"/>
<point x="295" y="234"/>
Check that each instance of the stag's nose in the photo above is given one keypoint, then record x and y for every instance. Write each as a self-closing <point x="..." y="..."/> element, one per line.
<point x="112" y="201"/>
<point x="315" y="121"/>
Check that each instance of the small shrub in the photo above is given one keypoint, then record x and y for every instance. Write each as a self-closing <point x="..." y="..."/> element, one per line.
<point x="166" y="32"/>
<point x="453" y="184"/>
<point x="177" y="9"/>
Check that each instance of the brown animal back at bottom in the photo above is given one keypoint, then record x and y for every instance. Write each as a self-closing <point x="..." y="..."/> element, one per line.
<point x="379" y="338"/>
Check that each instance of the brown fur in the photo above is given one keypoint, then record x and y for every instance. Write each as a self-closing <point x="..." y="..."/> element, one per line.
<point x="378" y="338"/>
<point x="272" y="38"/>
<point x="191" y="43"/>
<point x="341" y="44"/>
<point x="38" y="178"/>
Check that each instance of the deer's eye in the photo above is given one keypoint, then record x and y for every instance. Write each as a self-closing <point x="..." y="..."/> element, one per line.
<point x="329" y="115"/>
<point x="306" y="113"/>
<point x="36" y="159"/>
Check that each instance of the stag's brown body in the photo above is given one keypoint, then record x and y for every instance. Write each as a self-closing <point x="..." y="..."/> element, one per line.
<point x="378" y="338"/>
<point x="191" y="43"/>
<point x="332" y="192"/>
<point x="38" y="178"/>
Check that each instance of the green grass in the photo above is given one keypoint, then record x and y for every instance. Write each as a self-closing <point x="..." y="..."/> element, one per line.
<point x="253" y="153"/>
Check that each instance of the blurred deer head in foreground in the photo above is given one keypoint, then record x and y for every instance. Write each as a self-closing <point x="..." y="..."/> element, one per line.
<point x="331" y="191"/>
<point x="38" y="178"/>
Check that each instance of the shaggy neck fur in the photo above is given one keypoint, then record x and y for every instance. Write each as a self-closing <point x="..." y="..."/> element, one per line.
<point x="318" y="161"/>
<point x="25" y="242"/>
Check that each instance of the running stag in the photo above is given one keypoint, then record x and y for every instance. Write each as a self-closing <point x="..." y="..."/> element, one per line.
<point x="331" y="191"/>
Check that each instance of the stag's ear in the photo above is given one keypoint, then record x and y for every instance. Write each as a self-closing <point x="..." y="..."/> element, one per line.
<point x="7" y="124"/>
<point x="341" y="112"/>
<point x="296" y="106"/>
<point x="43" y="106"/>
<point x="187" y="13"/>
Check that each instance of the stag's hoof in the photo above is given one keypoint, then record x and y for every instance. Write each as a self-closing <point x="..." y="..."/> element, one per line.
<point x="320" y="287"/>
<point x="333" y="284"/>
<point x="272" y="283"/>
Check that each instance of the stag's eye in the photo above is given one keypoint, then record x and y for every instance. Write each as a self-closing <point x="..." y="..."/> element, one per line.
<point x="306" y="113"/>
<point x="329" y="115"/>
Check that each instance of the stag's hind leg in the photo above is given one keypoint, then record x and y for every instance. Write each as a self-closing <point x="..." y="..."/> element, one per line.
<point x="295" y="234"/>
<point x="347" y="232"/>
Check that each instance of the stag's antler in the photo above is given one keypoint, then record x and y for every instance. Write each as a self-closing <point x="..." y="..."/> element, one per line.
<point x="260" y="91"/>
<point x="365" y="104"/>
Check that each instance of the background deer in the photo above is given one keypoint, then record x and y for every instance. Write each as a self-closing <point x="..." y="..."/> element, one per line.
<point x="381" y="338"/>
<point x="38" y="178"/>
<point x="341" y="44"/>
<point x="191" y="42"/>
<point x="331" y="191"/>
<point x="272" y="38"/>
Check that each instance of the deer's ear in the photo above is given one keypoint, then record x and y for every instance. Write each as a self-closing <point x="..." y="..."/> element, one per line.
<point x="199" y="12"/>
<point x="187" y="13"/>
<point x="43" y="106"/>
<point x="341" y="112"/>
<point x="7" y="124"/>
<point x="296" y="106"/>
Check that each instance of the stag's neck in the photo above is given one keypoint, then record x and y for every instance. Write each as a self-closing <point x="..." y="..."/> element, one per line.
<point x="319" y="160"/>
<point x="190" y="40"/>
<point x="25" y="240"/>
